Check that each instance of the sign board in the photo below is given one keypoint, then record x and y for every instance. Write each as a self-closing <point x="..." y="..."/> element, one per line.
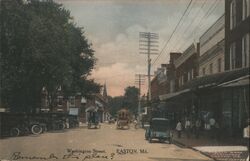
<point x="73" y="111"/>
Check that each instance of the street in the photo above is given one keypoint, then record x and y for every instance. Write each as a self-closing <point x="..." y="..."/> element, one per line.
<point x="106" y="143"/>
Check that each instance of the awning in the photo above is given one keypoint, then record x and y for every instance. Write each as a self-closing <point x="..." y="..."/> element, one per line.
<point x="83" y="100"/>
<point x="170" y="95"/>
<point x="91" y="109"/>
<point x="98" y="103"/>
<point x="242" y="81"/>
<point x="238" y="77"/>
<point x="216" y="79"/>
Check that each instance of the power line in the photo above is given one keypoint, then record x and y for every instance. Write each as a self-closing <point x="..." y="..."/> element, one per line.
<point x="173" y="32"/>
<point x="188" y="27"/>
<point x="199" y="24"/>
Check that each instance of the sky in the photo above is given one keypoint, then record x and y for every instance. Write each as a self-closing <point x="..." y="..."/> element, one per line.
<point x="113" y="26"/>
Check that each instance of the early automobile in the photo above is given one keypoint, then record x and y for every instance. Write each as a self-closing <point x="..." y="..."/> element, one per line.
<point x="123" y="119"/>
<point x="159" y="128"/>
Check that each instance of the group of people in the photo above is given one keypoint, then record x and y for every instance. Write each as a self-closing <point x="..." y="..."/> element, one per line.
<point x="195" y="127"/>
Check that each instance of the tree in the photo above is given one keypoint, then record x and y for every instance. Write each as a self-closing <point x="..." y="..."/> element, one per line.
<point x="41" y="47"/>
<point x="131" y="98"/>
<point x="115" y="104"/>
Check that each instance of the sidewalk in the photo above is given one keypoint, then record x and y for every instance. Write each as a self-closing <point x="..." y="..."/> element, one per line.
<point x="225" y="149"/>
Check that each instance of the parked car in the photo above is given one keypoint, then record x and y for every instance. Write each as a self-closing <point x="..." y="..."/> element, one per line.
<point x="160" y="129"/>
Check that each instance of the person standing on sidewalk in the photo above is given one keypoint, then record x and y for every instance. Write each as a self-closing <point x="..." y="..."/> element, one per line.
<point x="188" y="127"/>
<point x="197" y="128"/>
<point x="246" y="135"/>
<point x="179" y="129"/>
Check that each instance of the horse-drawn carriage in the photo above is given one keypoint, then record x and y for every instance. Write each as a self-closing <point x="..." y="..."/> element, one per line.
<point x="123" y="119"/>
<point x="93" y="120"/>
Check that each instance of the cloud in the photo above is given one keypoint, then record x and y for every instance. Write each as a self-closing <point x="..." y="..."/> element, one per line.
<point x="117" y="77"/>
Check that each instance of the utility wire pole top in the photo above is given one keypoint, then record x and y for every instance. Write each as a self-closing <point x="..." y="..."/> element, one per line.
<point x="148" y="44"/>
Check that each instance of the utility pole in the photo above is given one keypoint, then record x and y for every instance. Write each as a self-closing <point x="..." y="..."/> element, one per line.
<point x="139" y="79"/>
<point x="148" y="44"/>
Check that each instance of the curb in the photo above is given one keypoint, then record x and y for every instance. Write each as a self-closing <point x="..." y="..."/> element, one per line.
<point x="184" y="145"/>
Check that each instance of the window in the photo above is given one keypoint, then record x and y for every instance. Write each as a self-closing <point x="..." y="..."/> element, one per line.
<point x="59" y="100"/>
<point x="219" y="65"/>
<point x="245" y="9"/>
<point x="180" y="81"/>
<point x="211" y="68"/>
<point x="245" y="50"/>
<point x="72" y="101"/>
<point x="193" y="74"/>
<point x="232" y="56"/>
<point x="189" y="75"/>
<point x="232" y="14"/>
<point x="203" y="71"/>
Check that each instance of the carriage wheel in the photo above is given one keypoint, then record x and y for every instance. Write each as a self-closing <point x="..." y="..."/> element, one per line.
<point x="36" y="129"/>
<point x="14" y="132"/>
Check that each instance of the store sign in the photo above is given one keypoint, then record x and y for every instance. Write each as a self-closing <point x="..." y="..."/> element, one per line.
<point x="73" y="111"/>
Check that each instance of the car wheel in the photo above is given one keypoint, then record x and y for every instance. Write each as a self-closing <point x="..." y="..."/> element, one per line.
<point x="14" y="132"/>
<point x="36" y="129"/>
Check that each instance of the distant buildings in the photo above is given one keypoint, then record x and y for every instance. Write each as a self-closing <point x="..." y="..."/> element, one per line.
<point x="77" y="104"/>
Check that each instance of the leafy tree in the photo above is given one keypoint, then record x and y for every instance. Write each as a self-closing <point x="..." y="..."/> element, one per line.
<point x="131" y="98"/>
<point x="41" y="47"/>
<point x="115" y="104"/>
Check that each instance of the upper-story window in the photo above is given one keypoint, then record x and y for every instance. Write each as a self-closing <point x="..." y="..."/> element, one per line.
<point x="189" y="75"/>
<point x="232" y="14"/>
<point x="203" y="71"/>
<point x="245" y="50"/>
<point x="211" y="68"/>
<point x="219" y="65"/>
<point x="245" y="9"/>
<point x="72" y="101"/>
<point x="59" y="100"/>
<point x="232" y="56"/>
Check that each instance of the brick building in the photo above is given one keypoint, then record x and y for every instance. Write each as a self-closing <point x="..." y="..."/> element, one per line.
<point x="186" y="66"/>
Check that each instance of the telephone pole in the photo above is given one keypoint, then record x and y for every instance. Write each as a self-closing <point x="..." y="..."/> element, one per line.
<point x="139" y="79"/>
<point x="148" y="44"/>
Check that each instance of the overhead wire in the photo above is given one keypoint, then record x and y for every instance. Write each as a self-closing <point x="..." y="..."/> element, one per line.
<point x="207" y="14"/>
<point x="188" y="27"/>
<point x="190" y="2"/>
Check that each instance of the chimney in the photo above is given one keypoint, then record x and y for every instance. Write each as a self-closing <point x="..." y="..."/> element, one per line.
<point x="174" y="56"/>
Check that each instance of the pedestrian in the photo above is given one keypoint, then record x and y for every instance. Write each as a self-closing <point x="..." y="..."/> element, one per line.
<point x="246" y="136"/>
<point x="188" y="127"/>
<point x="179" y="129"/>
<point x="212" y="126"/>
<point x="197" y="128"/>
